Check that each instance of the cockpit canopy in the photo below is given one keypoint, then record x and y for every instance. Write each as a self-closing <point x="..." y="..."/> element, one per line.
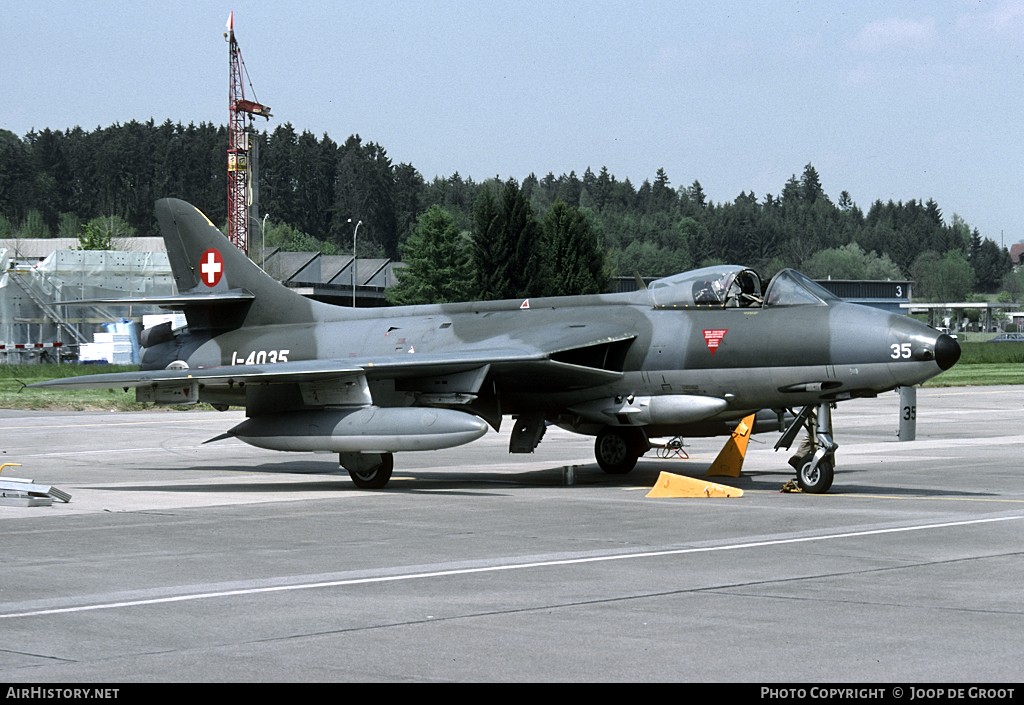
<point x="715" y="287"/>
<point x="732" y="286"/>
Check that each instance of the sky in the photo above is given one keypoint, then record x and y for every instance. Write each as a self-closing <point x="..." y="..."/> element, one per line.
<point x="910" y="100"/>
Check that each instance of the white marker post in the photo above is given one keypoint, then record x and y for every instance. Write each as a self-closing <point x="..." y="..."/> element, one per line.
<point x="908" y="413"/>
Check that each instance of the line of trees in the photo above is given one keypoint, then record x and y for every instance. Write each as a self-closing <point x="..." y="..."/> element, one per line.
<point x="564" y="234"/>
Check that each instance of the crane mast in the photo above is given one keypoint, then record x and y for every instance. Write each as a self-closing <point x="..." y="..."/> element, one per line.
<point x="239" y="110"/>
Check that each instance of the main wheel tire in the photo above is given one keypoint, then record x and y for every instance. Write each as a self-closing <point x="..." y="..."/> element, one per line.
<point x="376" y="477"/>
<point x="614" y="452"/>
<point x="816" y="480"/>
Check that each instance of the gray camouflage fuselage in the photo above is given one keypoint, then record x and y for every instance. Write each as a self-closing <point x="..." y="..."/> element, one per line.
<point x="684" y="357"/>
<point x="767" y="357"/>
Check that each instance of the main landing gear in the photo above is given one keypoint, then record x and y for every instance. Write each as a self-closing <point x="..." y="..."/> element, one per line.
<point x="370" y="471"/>
<point x="618" y="448"/>
<point x="814" y="461"/>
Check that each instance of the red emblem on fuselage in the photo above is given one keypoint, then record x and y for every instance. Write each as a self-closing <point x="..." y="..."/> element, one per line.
<point x="211" y="267"/>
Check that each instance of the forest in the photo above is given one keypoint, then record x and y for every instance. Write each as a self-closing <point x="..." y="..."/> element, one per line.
<point x="501" y="237"/>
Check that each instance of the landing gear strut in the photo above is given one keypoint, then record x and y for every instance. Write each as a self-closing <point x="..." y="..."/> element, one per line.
<point x="814" y="461"/>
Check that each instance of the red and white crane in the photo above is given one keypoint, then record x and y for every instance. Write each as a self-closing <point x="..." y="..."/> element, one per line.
<point x="239" y="109"/>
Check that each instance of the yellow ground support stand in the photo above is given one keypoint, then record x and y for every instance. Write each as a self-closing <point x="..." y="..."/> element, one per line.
<point x="670" y="485"/>
<point x="730" y="459"/>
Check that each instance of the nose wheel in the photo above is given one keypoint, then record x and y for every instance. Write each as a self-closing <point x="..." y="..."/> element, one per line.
<point x="814" y="461"/>
<point x="816" y="478"/>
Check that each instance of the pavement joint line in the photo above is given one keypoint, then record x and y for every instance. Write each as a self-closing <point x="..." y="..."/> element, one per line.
<point x="105" y="424"/>
<point x="500" y="568"/>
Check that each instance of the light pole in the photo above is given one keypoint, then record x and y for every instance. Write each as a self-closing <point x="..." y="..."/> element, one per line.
<point x="354" y="232"/>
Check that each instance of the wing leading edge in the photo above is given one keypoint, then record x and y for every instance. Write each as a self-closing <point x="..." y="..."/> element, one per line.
<point x="503" y="362"/>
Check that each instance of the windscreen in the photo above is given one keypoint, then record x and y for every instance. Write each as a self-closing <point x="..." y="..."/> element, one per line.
<point x="791" y="288"/>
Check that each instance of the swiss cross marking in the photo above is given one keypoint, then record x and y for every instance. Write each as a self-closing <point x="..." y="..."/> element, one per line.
<point x="714" y="338"/>
<point x="211" y="267"/>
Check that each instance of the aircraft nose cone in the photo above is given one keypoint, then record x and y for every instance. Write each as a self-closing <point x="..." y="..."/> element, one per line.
<point x="947" y="352"/>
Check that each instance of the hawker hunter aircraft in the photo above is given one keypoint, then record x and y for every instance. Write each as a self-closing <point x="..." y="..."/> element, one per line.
<point x="688" y="356"/>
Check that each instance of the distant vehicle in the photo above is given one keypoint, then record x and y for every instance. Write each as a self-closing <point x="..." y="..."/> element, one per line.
<point x="1008" y="338"/>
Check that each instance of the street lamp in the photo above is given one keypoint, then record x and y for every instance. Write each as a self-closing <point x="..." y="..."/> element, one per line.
<point x="354" y="232"/>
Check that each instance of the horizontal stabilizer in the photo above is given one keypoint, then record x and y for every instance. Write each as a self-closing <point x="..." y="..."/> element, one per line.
<point x="172" y="302"/>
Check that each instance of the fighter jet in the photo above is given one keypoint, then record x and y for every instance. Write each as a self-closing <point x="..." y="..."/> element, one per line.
<point x="689" y="356"/>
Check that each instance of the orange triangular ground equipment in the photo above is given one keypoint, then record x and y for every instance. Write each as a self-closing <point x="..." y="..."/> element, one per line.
<point x="730" y="459"/>
<point x="670" y="485"/>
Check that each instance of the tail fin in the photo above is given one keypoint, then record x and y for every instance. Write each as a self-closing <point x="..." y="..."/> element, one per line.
<point x="220" y="286"/>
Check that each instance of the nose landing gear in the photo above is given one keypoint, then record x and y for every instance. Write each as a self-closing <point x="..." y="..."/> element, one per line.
<point x="814" y="461"/>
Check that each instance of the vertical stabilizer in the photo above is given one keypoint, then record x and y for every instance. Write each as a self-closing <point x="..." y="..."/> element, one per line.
<point x="203" y="261"/>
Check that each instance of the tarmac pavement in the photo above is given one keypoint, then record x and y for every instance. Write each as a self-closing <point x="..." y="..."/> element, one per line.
<point x="179" y="561"/>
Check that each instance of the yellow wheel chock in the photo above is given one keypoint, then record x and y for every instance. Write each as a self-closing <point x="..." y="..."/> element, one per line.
<point x="730" y="459"/>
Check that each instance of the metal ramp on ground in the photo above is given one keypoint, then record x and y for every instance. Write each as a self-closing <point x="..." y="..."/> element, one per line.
<point x="22" y="492"/>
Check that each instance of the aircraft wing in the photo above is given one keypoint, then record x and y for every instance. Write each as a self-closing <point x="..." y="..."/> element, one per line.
<point x="302" y="371"/>
<point x="512" y="362"/>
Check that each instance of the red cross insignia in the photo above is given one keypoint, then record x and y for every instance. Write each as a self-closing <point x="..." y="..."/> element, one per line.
<point x="211" y="267"/>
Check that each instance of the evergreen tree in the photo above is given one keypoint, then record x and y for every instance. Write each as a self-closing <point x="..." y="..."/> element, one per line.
<point x="365" y="189"/>
<point x="663" y="198"/>
<point x="438" y="267"/>
<point x="278" y="176"/>
<point x="53" y="181"/>
<point x="792" y="192"/>
<point x="485" y="258"/>
<point x="990" y="265"/>
<point x="409" y="192"/>
<point x="577" y="261"/>
<point x="696" y="194"/>
<point x="521" y="251"/>
<point x="602" y="190"/>
<point x="810" y="185"/>
<point x="15" y="176"/>
<point x="314" y="168"/>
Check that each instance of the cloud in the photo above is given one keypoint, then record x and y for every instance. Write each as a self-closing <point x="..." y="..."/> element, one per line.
<point x="1006" y="18"/>
<point x="896" y="33"/>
